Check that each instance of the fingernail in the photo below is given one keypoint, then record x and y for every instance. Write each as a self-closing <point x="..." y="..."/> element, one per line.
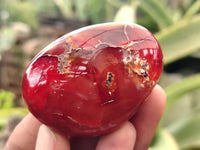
<point x="45" y="139"/>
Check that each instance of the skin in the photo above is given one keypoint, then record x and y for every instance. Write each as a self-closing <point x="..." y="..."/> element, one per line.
<point x="135" y="134"/>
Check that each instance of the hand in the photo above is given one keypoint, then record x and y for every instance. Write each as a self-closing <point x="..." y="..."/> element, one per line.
<point x="135" y="134"/>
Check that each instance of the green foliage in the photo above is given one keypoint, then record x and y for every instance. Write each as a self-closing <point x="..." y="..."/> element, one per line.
<point x="158" y="11"/>
<point x="146" y="21"/>
<point x="178" y="89"/>
<point x="48" y="7"/>
<point x="193" y="9"/>
<point x="180" y="39"/>
<point x="97" y="11"/>
<point x="126" y="13"/>
<point x="22" y="11"/>
<point x="65" y="6"/>
<point x="81" y="9"/>
<point x="164" y="141"/>
<point x="186" y="131"/>
<point x="7" y="38"/>
<point x="7" y="108"/>
<point x="6" y="99"/>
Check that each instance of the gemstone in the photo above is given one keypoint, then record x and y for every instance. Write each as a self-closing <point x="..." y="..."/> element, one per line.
<point x="91" y="80"/>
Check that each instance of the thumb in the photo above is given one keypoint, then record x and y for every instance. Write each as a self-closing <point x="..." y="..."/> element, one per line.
<point x="50" y="140"/>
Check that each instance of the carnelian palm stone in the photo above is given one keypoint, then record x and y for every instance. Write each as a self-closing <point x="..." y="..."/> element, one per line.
<point x="91" y="80"/>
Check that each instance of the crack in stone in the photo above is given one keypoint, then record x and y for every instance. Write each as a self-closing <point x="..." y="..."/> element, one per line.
<point x="125" y="33"/>
<point x="64" y="59"/>
<point x="131" y="59"/>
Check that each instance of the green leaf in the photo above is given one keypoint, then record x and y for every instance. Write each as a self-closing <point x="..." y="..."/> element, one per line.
<point x="164" y="141"/>
<point x="118" y="3"/>
<point x="65" y="7"/>
<point x="44" y="7"/>
<point x="126" y="13"/>
<point x="6" y="99"/>
<point x="158" y="11"/>
<point x="193" y="9"/>
<point x="111" y="10"/>
<point x="180" y="88"/>
<point x="7" y="38"/>
<point x="187" y="131"/>
<point x="81" y="8"/>
<point x="180" y="40"/>
<point x="196" y="54"/>
<point x="22" y="11"/>
<point x="97" y="10"/>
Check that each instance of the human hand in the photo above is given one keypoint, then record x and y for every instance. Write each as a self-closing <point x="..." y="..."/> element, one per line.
<point x="135" y="134"/>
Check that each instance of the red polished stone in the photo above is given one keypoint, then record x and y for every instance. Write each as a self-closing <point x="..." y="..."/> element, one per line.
<point x="91" y="80"/>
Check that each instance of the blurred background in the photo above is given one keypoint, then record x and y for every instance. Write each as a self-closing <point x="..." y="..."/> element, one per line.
<point x="27" y="26"/>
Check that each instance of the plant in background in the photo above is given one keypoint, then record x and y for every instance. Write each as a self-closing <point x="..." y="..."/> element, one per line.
<point x="6" y="102"/>
<point x="6" y="99"/>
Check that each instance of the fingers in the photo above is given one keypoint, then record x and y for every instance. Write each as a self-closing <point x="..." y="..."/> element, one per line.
<point x="144" y="122"/>
<point x="121" y="139"/>
<point x="50" y="140"/>
<point x="28" y="130"/>
<point x="83" y="143"/>
<point x="147" y="118"/>
<point x="24" y="135"/>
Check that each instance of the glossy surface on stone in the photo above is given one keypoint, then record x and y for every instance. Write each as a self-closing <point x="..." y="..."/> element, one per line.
<point x="91" y="80"/>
